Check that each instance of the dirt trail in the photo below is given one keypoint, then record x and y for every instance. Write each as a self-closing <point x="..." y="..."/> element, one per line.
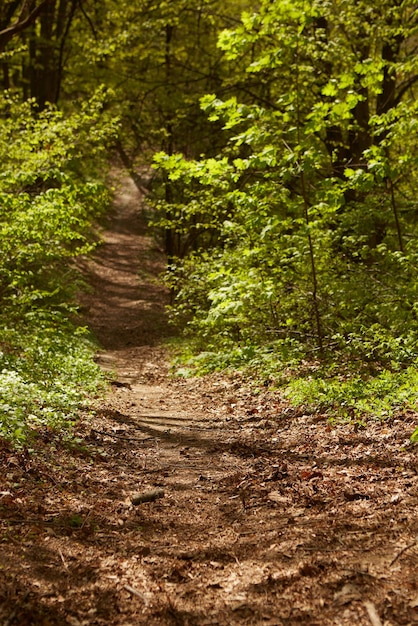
<point x="126" y="309"/>
<point x="268" y="515"/>
<point x="127" y="313"/>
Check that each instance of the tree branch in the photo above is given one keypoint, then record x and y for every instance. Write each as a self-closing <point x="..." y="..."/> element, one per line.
<point x="403" y="87"/>
<point x="22" y="23"/>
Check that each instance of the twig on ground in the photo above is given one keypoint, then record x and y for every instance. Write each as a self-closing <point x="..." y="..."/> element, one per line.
<point x="62" y="559"/>
<point x="410" y="545"/>
<point x="372" y="613"/>
<point x="86" y="518"/>
<point x="137" y="593"/>
<point x="147" y="496"/>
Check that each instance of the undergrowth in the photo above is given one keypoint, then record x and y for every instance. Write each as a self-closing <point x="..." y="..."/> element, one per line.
<point x="47" y="373"/>
<point x="51" y="197"/>
<point x="344" y="391"/>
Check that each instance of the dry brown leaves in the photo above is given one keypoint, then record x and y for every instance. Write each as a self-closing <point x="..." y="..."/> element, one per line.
<point x="268" y="517"/>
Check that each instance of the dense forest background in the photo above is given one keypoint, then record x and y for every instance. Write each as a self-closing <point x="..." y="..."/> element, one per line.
<point x="281" y="137"/>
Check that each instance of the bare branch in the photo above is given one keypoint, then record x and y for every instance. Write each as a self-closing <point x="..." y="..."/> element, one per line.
<point x="89" y="20"/>
<point x="22" y="23"/>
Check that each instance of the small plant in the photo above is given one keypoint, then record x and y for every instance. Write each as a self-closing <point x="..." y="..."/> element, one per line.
<point x="76" y="521"/>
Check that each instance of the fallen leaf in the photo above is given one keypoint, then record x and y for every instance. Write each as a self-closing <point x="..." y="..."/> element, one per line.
<point x="309" y="474"/>
<point x="275" y="496"/>
<point x="414" y="603"/>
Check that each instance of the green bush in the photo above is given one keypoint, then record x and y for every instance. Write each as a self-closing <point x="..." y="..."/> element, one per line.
<point x="50" y="198"/>
<point x="46" y="374"/>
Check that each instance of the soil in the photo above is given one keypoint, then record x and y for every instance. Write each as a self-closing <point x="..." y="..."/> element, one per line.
<point x="247" y="511"/>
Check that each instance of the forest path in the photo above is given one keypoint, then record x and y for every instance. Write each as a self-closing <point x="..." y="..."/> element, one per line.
<point x="126" y="312"/>
<point x="259" y="514"/>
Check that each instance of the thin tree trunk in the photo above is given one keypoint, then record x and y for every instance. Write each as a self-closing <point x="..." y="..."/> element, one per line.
<point x="169" y="233"/>
<point x="306" y="205"/>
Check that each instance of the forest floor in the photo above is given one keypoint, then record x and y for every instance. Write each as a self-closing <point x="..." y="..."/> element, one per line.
<point x="257" y="512"/>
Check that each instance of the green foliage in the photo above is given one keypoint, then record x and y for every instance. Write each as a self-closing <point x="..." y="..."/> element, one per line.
<point x="357" y="397"/>
<point x="46" y="372"/>
<point x="47" y="208"/>
<point x="286" y="199"/>
<point x="159" y="57"/>
<point x="304" y="225"/>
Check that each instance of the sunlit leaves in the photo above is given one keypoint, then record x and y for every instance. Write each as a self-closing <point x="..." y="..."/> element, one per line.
<point x="47" y="207"/>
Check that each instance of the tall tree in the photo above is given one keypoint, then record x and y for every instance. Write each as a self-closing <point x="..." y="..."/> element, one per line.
<point x="36" y="68"/>
<point x="47" y="50"/>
